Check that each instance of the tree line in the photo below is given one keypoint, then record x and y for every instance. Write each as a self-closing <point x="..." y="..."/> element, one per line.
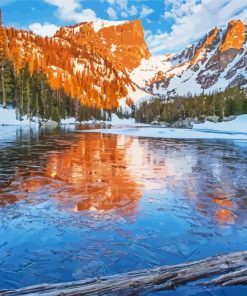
<point x="30" y="94"/>
<point x="232" y="101"/>
<point x="82" y="73"/>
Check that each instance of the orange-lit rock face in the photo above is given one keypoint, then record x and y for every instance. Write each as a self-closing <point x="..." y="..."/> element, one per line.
<point x="130" y="44"/>
<point x="208" y="42"/>
<point x="158" y="77"/>
<point x="235" y="36"/>
<point x="123" y="45"/>
<point x="90" y="65"/>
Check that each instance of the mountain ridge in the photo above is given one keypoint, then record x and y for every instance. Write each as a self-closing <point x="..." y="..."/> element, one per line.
<point x="216" y="61"/>
<point x="105" y="64"/>
<point x="91" y="65"/>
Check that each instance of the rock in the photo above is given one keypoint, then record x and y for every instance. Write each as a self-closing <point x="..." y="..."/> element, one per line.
<point x="217" y="57"/>
<point x="238" y="80"/>
<point x="186" y="123"/>
<point x="160" y="123"/>
<point x="213" y="118"/>
<point x="229" y="118"/>
<point x="163" y="123"/>
<point x="49" y="124"/>
<point x="200" y="119"/>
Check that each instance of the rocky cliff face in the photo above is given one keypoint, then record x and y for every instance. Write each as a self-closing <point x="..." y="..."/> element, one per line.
<point x="217" y="61"/>
<point x="100" y="63"/>
<point x="90" y="61"/>
<point x="122" y="43"/>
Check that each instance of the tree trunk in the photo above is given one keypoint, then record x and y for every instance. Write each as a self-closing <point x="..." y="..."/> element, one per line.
<point x="3" y="89"/>
<point x="229" y="269"/>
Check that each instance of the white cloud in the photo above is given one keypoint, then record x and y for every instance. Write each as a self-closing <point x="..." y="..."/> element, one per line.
<point x="146" y="11"/>
<point x="71" y="10"/>
<point x="111" y="13"/>
<point x="123" y="8"/>
<point x="124" y="14"/>
<point x="133" y="10"/>
<point x="192" y="19"/>
<point x="43" y="30"/>
<point x="122" y="3"/>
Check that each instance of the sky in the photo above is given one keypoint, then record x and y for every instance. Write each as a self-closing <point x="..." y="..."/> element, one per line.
<point x="169" y="25"/>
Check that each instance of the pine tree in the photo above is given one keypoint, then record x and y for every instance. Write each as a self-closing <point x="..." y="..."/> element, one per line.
<point x="3" y="38"/>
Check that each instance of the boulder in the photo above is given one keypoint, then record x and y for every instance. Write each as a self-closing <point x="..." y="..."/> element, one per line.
<point x="49" y="124"/>
<point x="160" y="123"/>
<point x="186" y="123"/>
<point x="213" y="118"/>
<point x="229" y="118"/>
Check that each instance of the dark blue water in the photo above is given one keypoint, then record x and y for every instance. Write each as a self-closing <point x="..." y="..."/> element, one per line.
<point x="75" y="206"/>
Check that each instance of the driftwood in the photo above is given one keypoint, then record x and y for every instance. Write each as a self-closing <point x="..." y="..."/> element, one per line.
<point x="229" y="269"/>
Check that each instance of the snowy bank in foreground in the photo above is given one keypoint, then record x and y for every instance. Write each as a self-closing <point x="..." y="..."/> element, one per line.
<point x="234" y="130"/>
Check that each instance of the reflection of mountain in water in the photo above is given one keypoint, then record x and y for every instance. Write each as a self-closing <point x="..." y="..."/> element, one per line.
<point x="96" y="175"/>
<point x="90" y="175"/>
<point x="93" y="172"/>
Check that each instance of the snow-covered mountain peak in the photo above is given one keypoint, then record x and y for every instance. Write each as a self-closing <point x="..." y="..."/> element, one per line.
<point x="216" y="61"/>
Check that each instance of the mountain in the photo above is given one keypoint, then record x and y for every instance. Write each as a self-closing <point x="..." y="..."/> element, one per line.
<point x="217" y="61"/>
<point x="105" y="64"/>
<point x="90" y="61"/>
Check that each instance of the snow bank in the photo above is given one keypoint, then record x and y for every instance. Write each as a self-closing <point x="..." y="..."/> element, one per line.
<point x="234" y="130"/>
<point x="117" y="121"/>
<point x="8" y="117"/>
<point x="239" y="125"/>
<point x="68" y="120"/>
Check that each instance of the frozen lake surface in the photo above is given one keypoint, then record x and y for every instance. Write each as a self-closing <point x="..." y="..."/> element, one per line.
<point x="81" y="205"/>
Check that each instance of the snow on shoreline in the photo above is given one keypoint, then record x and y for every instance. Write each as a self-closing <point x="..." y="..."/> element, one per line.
<point x="238" y="125"/>
<point x="236" y="129"/>
<point x="233" y="130"/>
<point x="8" y="118"/>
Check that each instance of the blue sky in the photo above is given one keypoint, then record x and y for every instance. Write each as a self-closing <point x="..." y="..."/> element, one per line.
<point x="169" y="25"/>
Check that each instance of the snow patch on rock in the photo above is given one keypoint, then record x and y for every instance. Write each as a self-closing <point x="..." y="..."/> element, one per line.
<point x="101" y="24"/>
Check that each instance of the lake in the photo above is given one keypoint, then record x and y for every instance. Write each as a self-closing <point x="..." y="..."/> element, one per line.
<point x="77" y="205"/>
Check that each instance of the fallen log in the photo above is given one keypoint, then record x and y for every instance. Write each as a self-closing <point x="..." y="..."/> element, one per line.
<point x="229" y="269"/>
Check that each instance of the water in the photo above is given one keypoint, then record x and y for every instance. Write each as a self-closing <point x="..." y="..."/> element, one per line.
<point x="81" y="205"/>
